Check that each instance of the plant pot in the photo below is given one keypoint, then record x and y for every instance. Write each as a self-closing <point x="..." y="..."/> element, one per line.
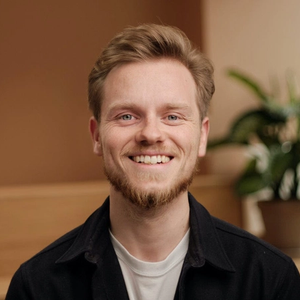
<point x="282" y="223"/>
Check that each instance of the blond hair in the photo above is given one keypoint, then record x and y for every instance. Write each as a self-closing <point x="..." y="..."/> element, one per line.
<point x="146" y="42"/>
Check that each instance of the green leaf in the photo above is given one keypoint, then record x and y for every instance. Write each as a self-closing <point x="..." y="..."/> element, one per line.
<point x="252" y="84"/>
<point x="283" y="112"/>
<point x="249" y="183"/>
<point x="267" y="125"/>
<point x="252" y="123"/>
<point x="291" y="87"/>
<point x="279" y="162"/>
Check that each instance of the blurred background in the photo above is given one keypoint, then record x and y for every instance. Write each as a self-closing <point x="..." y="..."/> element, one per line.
<point x="48" y="49"/>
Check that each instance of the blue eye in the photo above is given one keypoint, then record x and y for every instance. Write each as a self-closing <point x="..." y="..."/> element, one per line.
<point x="126" y="117"/>
<point x="172" y="118"/>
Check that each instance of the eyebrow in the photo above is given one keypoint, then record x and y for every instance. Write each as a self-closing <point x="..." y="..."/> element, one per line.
<point x="128" y="104"/>
<point x="123" y="105"/>
<point x="173" y="106"/>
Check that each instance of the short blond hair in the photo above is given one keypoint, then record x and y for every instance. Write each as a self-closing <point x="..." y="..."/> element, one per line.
<point x="146" y="42"/>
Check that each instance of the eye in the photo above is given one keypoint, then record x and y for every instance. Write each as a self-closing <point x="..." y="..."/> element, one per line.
<point x="126" y="117"/>
<point x="172" y="118"/>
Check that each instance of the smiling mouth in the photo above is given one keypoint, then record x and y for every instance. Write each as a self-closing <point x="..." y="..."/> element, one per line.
<point x="151" y="160"/>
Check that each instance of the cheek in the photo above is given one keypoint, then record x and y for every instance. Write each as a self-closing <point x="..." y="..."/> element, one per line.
<point x="113" y="142"/>
<point x="188" y="144"/>
<point x="193" y="145"/>
<point x="189" y="138"/>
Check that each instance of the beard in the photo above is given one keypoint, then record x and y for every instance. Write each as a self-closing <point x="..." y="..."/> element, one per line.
<point x="149" y="199"/>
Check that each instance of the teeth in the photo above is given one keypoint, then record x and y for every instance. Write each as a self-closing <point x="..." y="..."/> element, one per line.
<point x="165" y="159"/>
<point x="153" y="160"/>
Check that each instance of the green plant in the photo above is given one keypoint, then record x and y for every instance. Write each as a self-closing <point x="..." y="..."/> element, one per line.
<point x="271" y="135"/>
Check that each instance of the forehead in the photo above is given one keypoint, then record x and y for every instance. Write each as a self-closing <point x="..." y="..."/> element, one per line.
<point x="164" y="80"/>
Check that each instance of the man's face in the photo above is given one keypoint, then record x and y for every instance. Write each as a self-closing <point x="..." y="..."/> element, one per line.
<point x="150" y="133"/>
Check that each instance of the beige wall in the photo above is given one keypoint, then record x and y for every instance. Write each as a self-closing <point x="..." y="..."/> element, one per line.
<point x="47" y="50"/>
<point x="260" y="37"/>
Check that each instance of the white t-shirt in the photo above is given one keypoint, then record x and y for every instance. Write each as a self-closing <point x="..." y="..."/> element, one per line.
<point x="151" y="280"/>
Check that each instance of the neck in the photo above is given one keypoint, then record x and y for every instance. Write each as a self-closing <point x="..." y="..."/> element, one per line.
<point x="149" y="235"/>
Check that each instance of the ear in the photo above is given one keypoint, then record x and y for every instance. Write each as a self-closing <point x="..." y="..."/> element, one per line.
<point x="94" y="131"/>
<point x="203" y="137"/>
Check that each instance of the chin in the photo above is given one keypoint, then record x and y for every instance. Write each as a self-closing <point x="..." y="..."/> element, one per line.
<point x="151" y="197"/>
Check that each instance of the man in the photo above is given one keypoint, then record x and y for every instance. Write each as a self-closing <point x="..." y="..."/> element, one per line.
<point x="149" y="92"/>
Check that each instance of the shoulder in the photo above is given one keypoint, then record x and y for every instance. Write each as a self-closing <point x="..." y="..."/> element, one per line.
<point x="241" y="246"/>
<point x="242" y="265"/>
<point x="245" y="242"/>
<point x="61" y="264"/>
<point x="76" y="241"/>
<point x="45" y="261"/>
<point x="236" y="242"/>
<point x="32" y="277"/>
<point x="58" y="247"/>
<point x="72" y="244"/>
<point x="247" y="253"/>
<point x="259" y="261"/>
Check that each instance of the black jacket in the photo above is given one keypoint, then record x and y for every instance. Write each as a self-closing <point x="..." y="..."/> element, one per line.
<point x="223" y="262"/>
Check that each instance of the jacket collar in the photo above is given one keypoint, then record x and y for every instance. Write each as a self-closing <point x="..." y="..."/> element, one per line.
<point x="92" y="237"/>
<point x="205" y="246"/>
<point x="93" y="242"/>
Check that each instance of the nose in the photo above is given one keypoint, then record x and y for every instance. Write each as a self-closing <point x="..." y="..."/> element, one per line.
<point x="150" y="132"/>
